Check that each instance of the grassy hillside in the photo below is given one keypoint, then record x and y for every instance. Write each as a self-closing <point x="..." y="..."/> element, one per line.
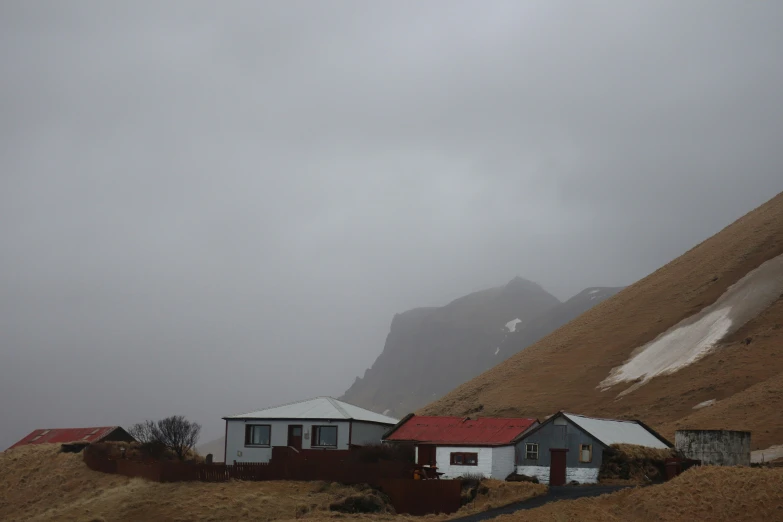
<point x="744" y="374"/>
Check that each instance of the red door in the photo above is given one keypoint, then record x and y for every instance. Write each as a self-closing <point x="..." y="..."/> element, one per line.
<point x="426" y="456"/>
<point x="295" y="436"/>
<point x="557" y="466"/>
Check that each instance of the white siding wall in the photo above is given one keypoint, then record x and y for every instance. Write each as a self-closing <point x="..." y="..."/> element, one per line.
<point x="540" y="472"/>
<point x="235" y="437"/>
<point x="503" y="462"/>
<point x="365" y="434"/>
<point x="443" y="461"/>
<point x="581" y="475"/>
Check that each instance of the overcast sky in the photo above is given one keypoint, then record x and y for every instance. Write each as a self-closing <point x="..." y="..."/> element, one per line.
<point x="213" y="207"/>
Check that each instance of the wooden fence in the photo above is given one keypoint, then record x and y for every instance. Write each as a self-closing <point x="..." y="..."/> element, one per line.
<point x="416" y="497"/>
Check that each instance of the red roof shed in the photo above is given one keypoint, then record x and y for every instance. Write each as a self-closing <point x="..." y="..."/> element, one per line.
<point x="61" y="436"/>
<point x="459" y="431"/>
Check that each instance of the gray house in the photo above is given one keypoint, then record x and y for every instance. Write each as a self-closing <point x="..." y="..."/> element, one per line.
<point x="568" y="447"/>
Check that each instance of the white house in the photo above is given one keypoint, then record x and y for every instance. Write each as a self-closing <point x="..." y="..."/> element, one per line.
<point x="459" y="446"/>
<point x="322" y="423"/>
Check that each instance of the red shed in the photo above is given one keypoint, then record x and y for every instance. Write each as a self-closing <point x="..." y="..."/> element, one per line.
<point x="66" y="435"/>
<point x="458" y="445"/>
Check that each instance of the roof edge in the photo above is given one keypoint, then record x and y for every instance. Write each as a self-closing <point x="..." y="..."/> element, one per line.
<point x="655" y="434"/>
<point x="397" y="426"/>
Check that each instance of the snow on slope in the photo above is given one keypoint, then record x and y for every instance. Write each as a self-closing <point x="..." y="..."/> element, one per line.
<point x="696" y="336"/>
<point x="512" y="325"/>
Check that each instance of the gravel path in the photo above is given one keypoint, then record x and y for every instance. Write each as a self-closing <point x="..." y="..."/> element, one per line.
<point x="554" y="494"/>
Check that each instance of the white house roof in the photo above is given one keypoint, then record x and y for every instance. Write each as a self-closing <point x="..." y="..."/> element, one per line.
<point x="611" y="431"/>
<point x="317" y="408"/>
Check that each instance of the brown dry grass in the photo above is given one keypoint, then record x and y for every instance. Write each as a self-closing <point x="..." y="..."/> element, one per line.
<point x="708" y="493"/>
<point x="40" y="483"/>
<point x="562" y="370"/>
<point x="500" y="494"/>
<point x="632" y="451"/>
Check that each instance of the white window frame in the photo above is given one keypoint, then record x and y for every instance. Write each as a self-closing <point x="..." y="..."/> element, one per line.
<point x="589" y="449"/>
<point x="528" y="451"/>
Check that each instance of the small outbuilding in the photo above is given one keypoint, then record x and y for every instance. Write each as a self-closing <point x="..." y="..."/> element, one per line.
<point x="459" y="446"/>
<point x="322" y="423"/>
<point x="568" y="447"/>
<point x="714" y="447"/>
<point x="75" y="435"/>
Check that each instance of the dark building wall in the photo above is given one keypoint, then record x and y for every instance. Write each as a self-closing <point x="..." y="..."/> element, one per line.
<point x="565" y="435"/>
<point x="118" y="435"/>
<point x="715" y="447"/>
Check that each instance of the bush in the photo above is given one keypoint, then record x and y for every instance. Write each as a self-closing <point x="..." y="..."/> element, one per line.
<point x="518" y="477"/>
<point x="136" y="451"/>
<point x="370" y="501"/>
<point x="639" y="463"/>
<point x="378" y="452"/>
<point x="471" y="487"/>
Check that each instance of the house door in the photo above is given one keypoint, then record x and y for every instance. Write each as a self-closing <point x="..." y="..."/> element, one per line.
<point x="426" y="455"/>
<point x="557" y="467"/>
<point x="295" y="436"/>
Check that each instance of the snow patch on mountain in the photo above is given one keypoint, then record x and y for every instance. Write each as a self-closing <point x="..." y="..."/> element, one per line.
<point x="512" y="325"/>
<point x="705" y="404"/>
<point x="696" y="336"/>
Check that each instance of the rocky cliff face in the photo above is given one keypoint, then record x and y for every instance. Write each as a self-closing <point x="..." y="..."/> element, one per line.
<point x="429" y="351"/>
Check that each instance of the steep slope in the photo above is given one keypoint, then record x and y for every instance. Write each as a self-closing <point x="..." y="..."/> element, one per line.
<point x="558" y="316"/>
<point x="430" y="350"/>
<point x="680" y="337"/>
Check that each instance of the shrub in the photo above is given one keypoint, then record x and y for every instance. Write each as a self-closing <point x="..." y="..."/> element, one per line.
<point x="370" y="501"/>
<point x="631" y="462"/>
<point x="378" y="452"/>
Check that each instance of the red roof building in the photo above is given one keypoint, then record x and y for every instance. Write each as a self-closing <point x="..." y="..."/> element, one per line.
<point x="460" y="446"/>
<point x="459" y="431"/>
<point x="67" y="435"/>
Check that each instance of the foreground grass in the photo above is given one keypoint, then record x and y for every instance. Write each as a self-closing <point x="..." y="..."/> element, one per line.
<point x="40" y="483"/>
<point x="716" y="494"/>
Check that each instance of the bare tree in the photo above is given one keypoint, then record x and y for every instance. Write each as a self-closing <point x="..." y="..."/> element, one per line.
<point x="178" y="434"/>
<point x="175" y="433"/>
<point x="143" y="432"/>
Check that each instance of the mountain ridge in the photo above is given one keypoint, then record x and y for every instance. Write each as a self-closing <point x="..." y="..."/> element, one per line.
<point x="428" y="351"/>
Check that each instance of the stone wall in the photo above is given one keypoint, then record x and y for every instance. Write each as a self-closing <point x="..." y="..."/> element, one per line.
<point x="715" y="447"/>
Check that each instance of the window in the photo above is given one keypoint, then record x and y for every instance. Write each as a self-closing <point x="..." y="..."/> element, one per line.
<point x="325" y="436"/>
<point x="464" y="459"/>
<point x="531" y="451"/>
<point x="257" y="434"/>
<point x="585" y="453"/>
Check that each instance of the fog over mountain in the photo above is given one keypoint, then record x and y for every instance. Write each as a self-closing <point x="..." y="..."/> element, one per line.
<point x="209" y="208"/>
